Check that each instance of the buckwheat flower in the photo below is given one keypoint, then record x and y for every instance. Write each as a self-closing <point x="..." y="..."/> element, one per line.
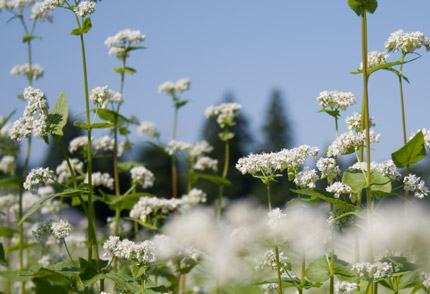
<point x="178" y="146"/>
<point x="36" y="70"/>
<point x="276" y="219"/>
<point x="407" y="42"/>
<point x="45" y="191"/>
<point x="101" y="179"/>
<point x="200" y="149"/>
<point x="270" y="288"/>
<point x="265" y="163"/>
<point x="346" y="141"/>
<point x="195" y="196"/>
<point x="375" y="58"/>
<point x="377" y="270"/>
<point x="166" y="87"/>
<point x="38" y="177"/>
<point x="426" y="280"/>
<point x="124" y="146"/>
<point x="63" y="172"/>
<point x="338" y="188"/>
<point x="205" y="162"/>
<point x="43" y="231"/>
<point x="148" y="128"/>
<point x="52" y="206"/>
<point x="336" y="100"/>
<point x="102" y="96"/>
<point x="39" y="13"/>
<point x="306" y="178"/>
<point x="110" y="246"/>
<point x="295" y="157"/>
<point x="415" y="185"/>
<point x="354" y="122"/>
<point x="142" y="176"/>
<point x="78" y="142"/>
<point x="344" y="287"/>
<point x="149" y="205"/>
<point x="51" y="4"/>
<point x="269" y="260"/>
<point x="18" y="4"/>
<point x="386" y="168"/>
<point x="61" y="229"/>
<point x="120" y="42"/>
<point x="84" y="8"/>
<point x="225" y="113"/>
<point x="123" y="225"/>
<point x="426" y="134"/>
<point x="7" y="164"/>
<point x="7" y="145"/>
<point x="182" y="85"/>
<point x="104" y="143"/>
<point x="328" y="168"/>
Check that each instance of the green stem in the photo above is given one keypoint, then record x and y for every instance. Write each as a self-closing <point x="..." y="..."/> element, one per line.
<point x="303" y="272"/>
<point x="174" y="172"/>
<point x="68" y="252"/>
<point x="224" y="176"/>
<point x="269" y="201"/>
<point x="332" y="253"/>
<point x="278" y="269"/>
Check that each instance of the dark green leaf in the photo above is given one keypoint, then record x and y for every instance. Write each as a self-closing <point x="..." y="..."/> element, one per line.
<point x="409" y="280"/>
<point x="57" y="117"/>
<point x="110" y="115"/>
<point x="86" y="25"/>
<point x="29" y="38"/>
<point x="12" y="182"/>
<point x="3" y="260"/>
<point x="159" y="289"/>
<point x="357" y="181"/>
<point x="360" y="6"/>
<point x="124" y="282"/>
<point x="411" y="153"/>
<point x="7" y="232"/>
<point x="333" y="113"/>
<point x="179" y="104"/>
<point x="123" y="131"/>
<point x="326" y="197"/>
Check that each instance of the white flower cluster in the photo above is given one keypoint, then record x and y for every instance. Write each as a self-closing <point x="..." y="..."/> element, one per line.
<point x="225" y="113"/>
<point x="118" y="44"/>
<point x="377" y="270"/>
<point x="349" y="140"/>
<point x="269" y="260"/>
<point x="7" y="164"/>
<point x="407" y="42"/>
<point x="39" y="13"/>
<point x="178" y="146"/>
<point x="104" y="143"/>
<point x="306" y="178"/>
<point x="276" y="219"/>
<point x="102" y="96"/>
<point x="344" y="287"/>
<point x="78" y="142"/>
<point x="328" y="168"/>
<point x="375" y="58"/>
<point x="101" y="179"/>
<point x="84" y="8"/>
<point x="124" y="146"/>
<point x="200" y="148"/>
<point x="43" y="231"/>
<point x="170" y="88"/>
<point x="63" y="172"/>
<point x="142" y="176"/>
<point x="267" y="163"/>
<point x="123" y="225"/>
<point x="415" y="185"/>
<point x="270" y="288"/>
<point x="338" y="188"/>
<point x="18" y="4"/>
<point x="36" y="70"/>
<point x="34" y="117"/>
<point x="140" y="252"/>
<point x="148" y="128"/>
<point x="61" y="229"/>
<point x="38" y="177"/>
<point x="336" y="100"/>
<point x="426" y="134"/>
<point x="426" y="280"/>
<point x="7" y="145"/>
<point x="205" y="162"/>
<point x="354" y="122"/>
<point x="194" y="197"/>
<point x="387" y="168"/>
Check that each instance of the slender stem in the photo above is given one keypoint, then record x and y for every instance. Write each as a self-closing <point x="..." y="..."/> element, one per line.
<point x="183" y="284"/>
<point x="331" y="253"/>
<point x="68" y="252"/>
<point x="269" y="201"/>
<point x="278" y="270"/>
<point x="224" y="176"/>
<point x="174" y="172"/>
<point x="302" y="272"/>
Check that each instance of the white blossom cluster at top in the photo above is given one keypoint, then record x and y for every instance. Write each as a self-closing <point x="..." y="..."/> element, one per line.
<point x="407" y="42"/>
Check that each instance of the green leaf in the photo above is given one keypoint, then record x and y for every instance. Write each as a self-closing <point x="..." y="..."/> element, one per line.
<point x="400" y="264"/>
<point x="86" y="25"/>
<point x="214" y="179"/>
<point x="76" y="32"/>
<point x="6" y="119"/>
<point x="357" y="181"/>
<point x="124" y="281"/>
<point x="88" y="272"/>
<point x="226" y="135"/>
<point x="83" y="125"/>
<point x="28" y="38"/>
<point x="12" y="182"/>
<point x="387" y="66"/>
<point x="159" y="289"/>
<point x="411" y="153"/>
<point x="7" y="232"/>
<point x="41" y="202"/>
<point x="333" y="113"/>
<point x="57" y="117"/>
<point x="16" y="247"/>
<point x="360" y="6"/>
<point x="318" y="270"/>
<point x="138" y="271"/>
<point x="409" y="280"/>
<point x="3" y="260"/>
<point x="179" y="104"/>
<point x="129" y="71"/>
<point x="326" y="197"/>
<point x="125" y="202"/>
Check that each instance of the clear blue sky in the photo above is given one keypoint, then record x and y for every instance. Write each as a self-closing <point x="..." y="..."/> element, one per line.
<point x="241" y="46"/>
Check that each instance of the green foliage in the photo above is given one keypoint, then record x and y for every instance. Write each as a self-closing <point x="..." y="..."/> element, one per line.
<point x="28" y="38"/>
<point x="57" y="117"/>
<point x="314" y="193"/>
<point x="3" y="260"/>
<point x="85" y="126"/>
<point x="86" y="26"/>
<point x="319" y="269"/>
<point x="363" y="6"/>
<point x="7" y="232"/>
<point x="126" y="70"/>
<point x="226" y="135"/>
<point x="410" y="153"/>
<point x="357" y="181"/>
<point x="12" y="182"/>
<point x="214" y="179"/>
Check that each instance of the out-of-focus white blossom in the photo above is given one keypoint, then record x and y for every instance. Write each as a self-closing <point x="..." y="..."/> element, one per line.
<point x="225" y="113"/>
<point x="377" y="270"/>
<point x="39" y="13"/>
<point x="120" y="42"/>
<point x="344" y="287"/>
<point x="354" y="122"/>
<point x="269" y="260"/>
<point x="36" y="70"/>
<point x="101" y="179"/>
<point x="18" y="4"/>
<point x="336" y="100"/>
<point x="38" y="177"/>
<point x="7" y="164"/>
<point x="148" y="128"/>
<point x="63" y="172"/>
<point x="142" y="176"/>
<point x="426" y="134"/>
<point x="171" y="88"/>
<point x="104" y="143"/>
<point x="407" y="42"/>
<point x="178" y="146"/>
<point x="103" y="95"/>
<point x="375" y="58"/>
<point x="78" y="142"/>
<point x="84" y="8"/>
<point x="205" y="162"/>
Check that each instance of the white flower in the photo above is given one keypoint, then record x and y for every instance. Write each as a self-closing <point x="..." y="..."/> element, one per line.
<point x="182" y="85"/>
<point x="387" y="168"/>
<point x="124" y="146"/>
<point x="338" y="188"/>
<point x="336" y="100"/>
<point x="345" y="287"/>
<point x="51" y="4"/>
<point x="102" y="96"/>
<point x="7" y="164"/>
<point x="276" y="219"/>
<point x="347" y="141"/>
<point x="149" y="128"/>
<point x="39" y="13"/>
<point x="63" y="172"/>
<point x="101" y="179"/>
<point x="175" y="146"/>
<point x="36" y="70"/>
<point x="78" y="142"/>
<point x="170" y="88"/>
<point x="354" y="122"/>
<point x="194" y="197"/>
<point x="416" y="185"/>
<point x="269" y="260"/>
<point x="84" y="8"/>
<point x="225" y="113"/>
<point x="166" y="87"/>
<point x="377" y="270"/>
<point x="200" y="148"/>
<point x="7" y="145"/>
<point x="306" y="178"/>
<point x="407" y="42"/>
<point x="38" y="177"/>
<point x="104" y="143"/>
<point x="426" y="134"/>
<point x="119" y="43"/>
<point x="205" y="162"/>
<point x="18" y="4"/>
<point x="142" y="176"/>
<point x="61" y="229"/>
<point x="270" y="288"/>
<point x="328" y="168"/>
<point x="375" y="58"/>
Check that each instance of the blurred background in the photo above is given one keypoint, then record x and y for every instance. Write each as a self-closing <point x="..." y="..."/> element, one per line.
<point x="273" y="57"/>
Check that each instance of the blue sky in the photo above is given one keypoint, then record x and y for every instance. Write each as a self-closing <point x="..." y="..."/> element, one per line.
<point x="241" y="46"/>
